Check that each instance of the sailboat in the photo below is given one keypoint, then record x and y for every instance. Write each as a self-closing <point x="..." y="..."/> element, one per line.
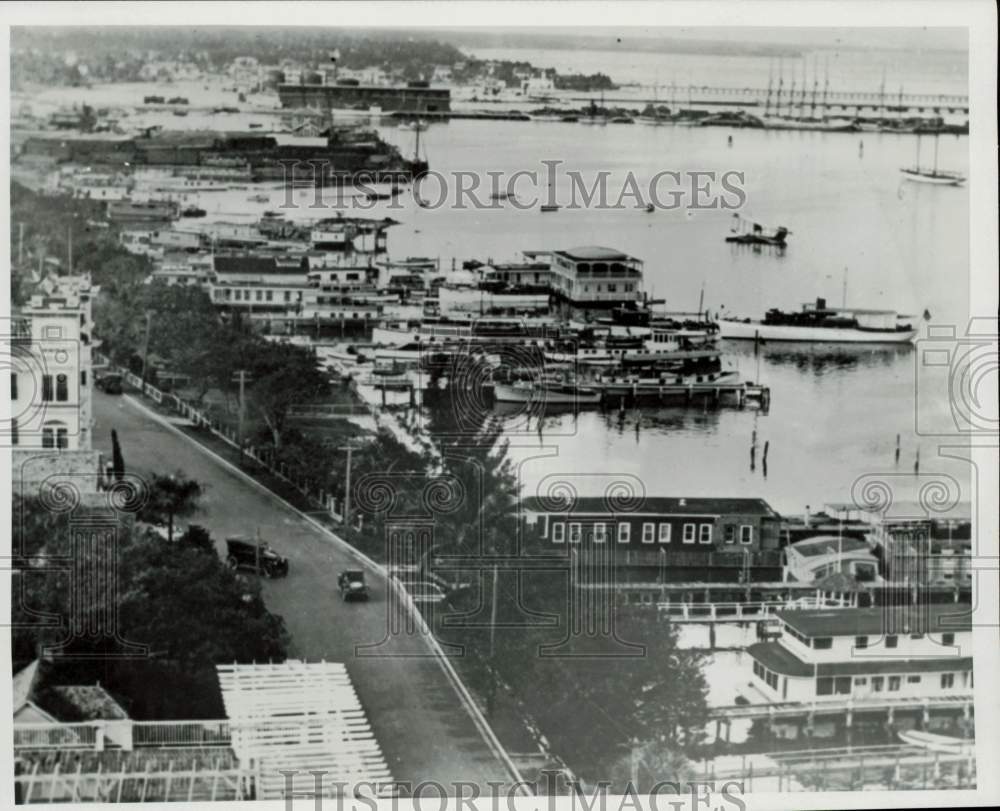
<point x="934" y="175"/>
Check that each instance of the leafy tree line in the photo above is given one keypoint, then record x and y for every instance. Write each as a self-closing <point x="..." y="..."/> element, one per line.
<point x="177" y="599"/>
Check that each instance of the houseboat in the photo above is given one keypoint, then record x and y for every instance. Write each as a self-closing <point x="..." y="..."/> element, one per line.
<point x="132" y="211"/>
<point x="822" y="324"/>
<point x="915" y="651"/>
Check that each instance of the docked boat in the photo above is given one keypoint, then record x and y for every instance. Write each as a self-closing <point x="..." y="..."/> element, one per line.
<point x="132" y="211"/>
<point x="258" y="198"/>
<point x="546" y="393"/>
<point x="548" y="208"/>
<point x="193" y="211"/>
<point x="822" y="324"/>
<point x="936" y="743"/>
<point x="622" y="386"/>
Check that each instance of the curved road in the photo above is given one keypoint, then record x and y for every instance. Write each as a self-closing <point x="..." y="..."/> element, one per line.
<point x="425" y="731"/>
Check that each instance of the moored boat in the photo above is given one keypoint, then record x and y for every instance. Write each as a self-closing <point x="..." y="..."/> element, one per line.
<point x="819" y="323"/>
<point x="545" y="393"/>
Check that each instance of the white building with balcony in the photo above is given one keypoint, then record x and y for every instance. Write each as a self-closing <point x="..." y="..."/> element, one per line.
<point x="592" y="278"/>
<point x="914" y="651"/>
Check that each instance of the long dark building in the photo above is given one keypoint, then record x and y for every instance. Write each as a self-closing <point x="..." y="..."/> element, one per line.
<point x="413" y="98"/>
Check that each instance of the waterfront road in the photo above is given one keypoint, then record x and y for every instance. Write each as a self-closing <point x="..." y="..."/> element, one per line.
<point x="425" y="730"/>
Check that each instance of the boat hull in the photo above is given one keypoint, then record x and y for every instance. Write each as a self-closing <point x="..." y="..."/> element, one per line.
<point x="750" y="330"/>
<point x="933" y="179"/>
<point x="504" y="393"/>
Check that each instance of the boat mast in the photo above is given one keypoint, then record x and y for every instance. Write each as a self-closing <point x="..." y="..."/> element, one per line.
<point x="812" y="108"/>
<point x="934" y="171"/>
<point x="770" y="81"/>
<point x="781" y="82"/>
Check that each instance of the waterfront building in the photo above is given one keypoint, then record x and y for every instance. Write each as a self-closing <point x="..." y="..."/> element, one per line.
<point x="660" y="539"/>
<point x="815" y="559"/>
<point x="591" y="279"/>
<point x="415" y="97"/>
<point x="914" y="651"/>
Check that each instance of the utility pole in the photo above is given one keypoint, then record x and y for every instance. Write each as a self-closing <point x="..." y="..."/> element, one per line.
<point x="347" y="485"/>
<point x="20" y="243"/>
<point x="493" y="631"/>
<point x="241" y="377"/>
<point x="69" y="251"/>
<point x="145" y="346"/>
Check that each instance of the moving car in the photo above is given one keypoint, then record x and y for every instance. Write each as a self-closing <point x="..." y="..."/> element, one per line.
<point x="352" y="585"/>
<point x="249" y="553"/>
<point x="110" y="384"/>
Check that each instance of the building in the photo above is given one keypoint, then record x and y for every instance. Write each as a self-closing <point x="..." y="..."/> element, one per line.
<point x="814" y="559"/>
<point x="917" y="651"/>
<point x="591" y="279"/>
<point x="658" y="539"/>
<point x="416" y="97"/>
<point x="51" y="377"/>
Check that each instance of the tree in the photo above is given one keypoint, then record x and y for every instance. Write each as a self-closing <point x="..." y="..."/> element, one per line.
<point x="117" y="460"/>
<point x="198" y="538"/>
<point x="171" y="497"/>
<point x="283" y="376"/>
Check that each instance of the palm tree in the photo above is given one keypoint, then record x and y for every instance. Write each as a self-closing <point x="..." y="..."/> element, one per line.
<point x="171" y="497"/>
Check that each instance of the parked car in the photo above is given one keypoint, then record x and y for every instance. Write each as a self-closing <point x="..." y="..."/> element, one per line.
<point x="110" y="384"/>
<point x="352" y="585"/>
<point x="249" y="553"/>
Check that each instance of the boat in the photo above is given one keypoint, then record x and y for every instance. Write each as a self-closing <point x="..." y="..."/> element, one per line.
<point x="548" y="208"/>
<point x="132" y="211"/>
<point x="193" y="211"/>
<point x="548" y="393"/>
<point x="254" y="125"/>
<point x="747" y="232"/>
<point x="623" y="386"/>
<point x="273" y="215"/>
<point x="936" y="743"/>
<point x="934" y="175"/>
<point x="258" y="198"/>
<point x="569" y="119"/>
<point x="650" y="208"/>
<point x="822" y="324"/>
<point x="621" y="119"/>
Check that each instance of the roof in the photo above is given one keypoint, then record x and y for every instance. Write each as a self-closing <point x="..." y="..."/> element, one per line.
<point x="24" y="684"/>
<point x="657" y="505"/>
<point x="828" y="545"/>
<point x="909" y="510"/>
<point x="259" y="264"/>
<point x="935" y="619"/>
<point x="775" y="656"/>
<point x="82" y="702"/>
<point x="593" y="253"/>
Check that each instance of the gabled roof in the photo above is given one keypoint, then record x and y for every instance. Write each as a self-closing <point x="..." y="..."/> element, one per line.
<point x="658" y="505"/>
<point x="69" y="703"/>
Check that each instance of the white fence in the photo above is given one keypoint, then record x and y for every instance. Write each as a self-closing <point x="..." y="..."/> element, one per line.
<point x="126" y="734"/>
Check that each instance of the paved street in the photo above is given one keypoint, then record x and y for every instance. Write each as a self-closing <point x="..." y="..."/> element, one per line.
<point x="425" y="731"/>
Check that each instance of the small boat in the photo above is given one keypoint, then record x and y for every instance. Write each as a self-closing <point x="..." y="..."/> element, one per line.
<point x="548" y="208"/>
<point x="621" y="119"/>
<point x="258" y="198"/>
<point x="545" y="393"/>
<point x="273" y="215"/>
<point x="255" y="126"/>
<point x="193" y="211"/>
<point x="650" y="208"/>
<point x="936" y="743"/>
<point x="180" y="113"/>
<point x="569" y="119"/>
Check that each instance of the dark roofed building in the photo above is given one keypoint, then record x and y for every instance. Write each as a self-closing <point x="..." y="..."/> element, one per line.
<point x="660" y="539"/>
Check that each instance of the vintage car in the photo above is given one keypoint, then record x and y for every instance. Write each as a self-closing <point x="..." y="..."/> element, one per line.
<point x="352" y="585"/>
<point x="257" y="556"/>
<point x="109" y="383"/>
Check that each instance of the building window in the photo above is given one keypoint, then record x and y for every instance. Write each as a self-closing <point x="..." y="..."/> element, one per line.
<point x="891" y="641"/>
<point x="558" y="532"/>
<point x="48" y="438"/>
<point x="878" y="682"/>
<point x="689" y="533"/>
<point x="664" y="532"/>
<point x="823" y="642"/>
<point x="842" y="685"/>
<point x="624" y="532"/>
<point x="270" y="295"/>
<point x="46" y="388"/>
<point x="288" y="295"/>
<point x="861" y="681"/>
<point x="894" y="682"/>
<point x="13" y="385"/>
<point x="746" y="534"/>
<point x="916" y="636"/>
<point x="647" y="532"/>
<point x="913" y="679"/>
<point x="574" y="533"/>
<point x="83" y="378"/>
<point x="545" y="526"/>
<point x="62" y="388"/>
<point x="947" y="639"/>
<point x="861" y="641"/>
<point x="706" y="533"/>
<point x="62" y="438"/>
<point x="824" y="686"/>
<point x="13" y="431"/>
<point x="729" y="533"/>
<point x="947" y="681"/>
<point x="600" y="533"/>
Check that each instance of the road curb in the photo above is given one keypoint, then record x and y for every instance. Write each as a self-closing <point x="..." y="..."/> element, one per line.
<point x="489" y="736"/>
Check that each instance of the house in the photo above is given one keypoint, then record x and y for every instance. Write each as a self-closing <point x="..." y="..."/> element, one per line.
<point x="660" y="539"/>
<point x="38" y="701"/>
<point x="921" y="651"/>
<point x="814" y="559"/>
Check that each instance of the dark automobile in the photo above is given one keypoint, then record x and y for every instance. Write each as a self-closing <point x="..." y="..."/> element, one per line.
<point x="352" y="585"/>
<point x="110" y="384"/>
<point x="247" y="553"/>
